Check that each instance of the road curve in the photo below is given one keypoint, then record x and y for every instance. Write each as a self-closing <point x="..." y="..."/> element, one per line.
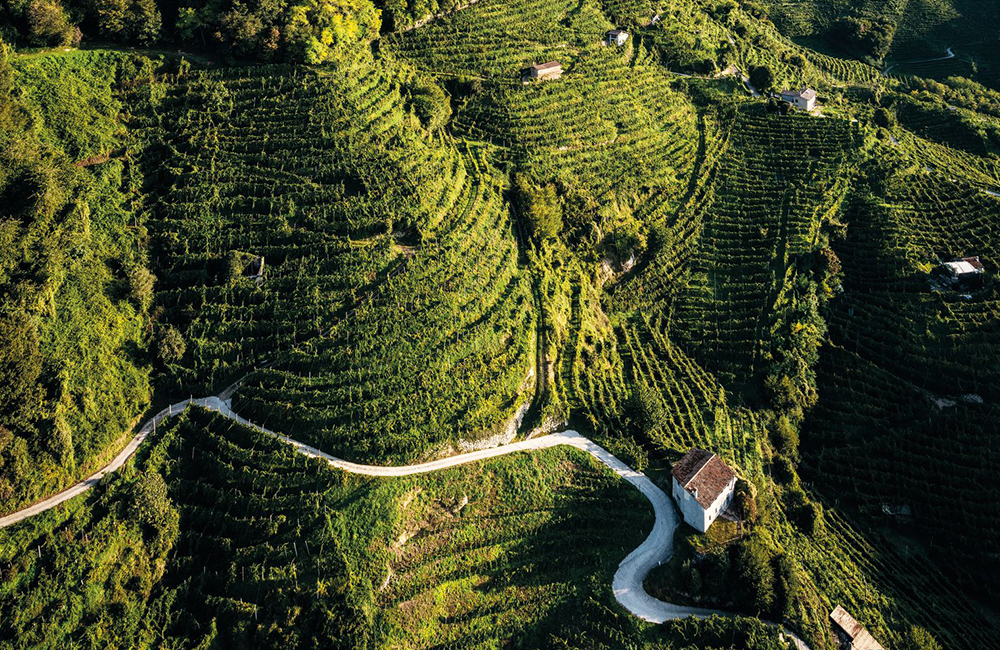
<point x="949" y="54"/>
<point x="627" y="584"/>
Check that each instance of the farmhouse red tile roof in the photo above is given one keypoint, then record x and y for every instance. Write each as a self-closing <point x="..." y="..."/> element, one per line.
<point x="974" y="261"/>
<point x="703" y="474"/>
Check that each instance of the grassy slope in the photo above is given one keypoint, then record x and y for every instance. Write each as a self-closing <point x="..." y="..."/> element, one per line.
<point x="75" y="242"/>
<point x="731" y="202"/>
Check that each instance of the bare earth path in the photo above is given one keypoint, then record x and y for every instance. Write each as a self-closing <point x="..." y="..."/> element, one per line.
<point x="948" y="55"/>
<point x="632" y="571"/>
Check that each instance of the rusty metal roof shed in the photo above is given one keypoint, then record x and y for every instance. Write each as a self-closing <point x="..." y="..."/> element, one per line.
<point x="860" y="638"/>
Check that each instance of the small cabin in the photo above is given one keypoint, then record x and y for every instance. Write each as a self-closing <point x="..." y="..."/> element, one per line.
<point x="548" y="70"/>
<point x="964" y="273"/>
<point x="703" y="487"/>
<point x="804" y="98"/>
<point x="855" y="635"/>
<point x="255" y="269"/>
<point x="616" y="37"/>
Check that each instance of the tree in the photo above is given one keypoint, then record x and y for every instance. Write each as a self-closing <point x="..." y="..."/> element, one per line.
<point x="783" y="470"/>
<point x="785" y="438"/>
<point x="241" y="30"/>
<point x="694" y="582"/>
<point x="540" y="209"/>
<point x="111" y="16"/>
<point x="140" y="284"/>
<point x="144" y="22"/>
<point x="130" y="20"/>
<point x="762" y="78"/>
<point x="866" y="37"/>
<point x="917" y="638"/>
<point x="717" y="573"/>
<point x="884" y="118"/>
<point x="153" y="510"/>
<point x="48" y="23"/>
<point x="807" y="515"/>
<point x="430" y="104"/>
<point x="170" y="346"/>
<point x="322" y="31"/>
<point x="747" y="501"/>
<point x="755" y="574"/>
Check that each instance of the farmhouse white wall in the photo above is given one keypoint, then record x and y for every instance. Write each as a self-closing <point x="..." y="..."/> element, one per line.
<point x="698" y="517"/>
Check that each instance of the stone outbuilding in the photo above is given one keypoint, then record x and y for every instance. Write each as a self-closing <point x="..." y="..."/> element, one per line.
<point x="616" y="37"/>
<point x="854" y="633"/>
<point x="543" y="71"/>
<point x="703" y="487"/>
<point x="804" y="98"/>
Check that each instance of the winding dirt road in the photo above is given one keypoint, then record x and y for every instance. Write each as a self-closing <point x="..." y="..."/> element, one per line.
<point x="949" y="54"/>
<point x="632" y="571"/>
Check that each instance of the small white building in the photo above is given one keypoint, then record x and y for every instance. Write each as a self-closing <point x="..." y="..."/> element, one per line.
<point x="616" y="37"/>
<point x="804" y="98"/>
<point x="703" y="487"/>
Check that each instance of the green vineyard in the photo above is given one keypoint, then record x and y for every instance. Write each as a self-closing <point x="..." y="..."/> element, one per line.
<point x="388" y="234"/>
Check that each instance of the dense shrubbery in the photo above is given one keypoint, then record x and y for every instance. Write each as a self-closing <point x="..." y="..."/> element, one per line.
<point x="71" y="378"/>
<point x="310" y="31"/>
<point x="538" y="207"/>
<point x="870" y="39"/>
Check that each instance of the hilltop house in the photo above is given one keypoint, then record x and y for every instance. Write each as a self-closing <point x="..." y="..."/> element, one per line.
<point x="856" y="636"/>
<point x="804" y="98"/>
<point x="616" y="37"/>
<point x="964" y="273"/>
<point x="703" y="487"/>
<point x="542" y="71"/>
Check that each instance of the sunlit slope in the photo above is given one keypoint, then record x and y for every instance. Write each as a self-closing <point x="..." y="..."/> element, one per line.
<point x="391" y="314"/>
<point x="606" y="126"/>
<point x="74" y="290"/>
<point x="223" y="535"/>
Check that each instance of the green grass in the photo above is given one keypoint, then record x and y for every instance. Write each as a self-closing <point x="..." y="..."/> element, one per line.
<point x="74" y="332"/>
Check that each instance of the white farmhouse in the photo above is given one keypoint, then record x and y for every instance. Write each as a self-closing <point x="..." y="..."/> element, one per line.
<point x="804" y="98"/>
<point x="703" y="487"/>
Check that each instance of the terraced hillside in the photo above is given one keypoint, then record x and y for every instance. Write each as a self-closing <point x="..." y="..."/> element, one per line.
<point x="221" y="535"/>
<point x="776" y="186"/>
<point x="608" y="128"/>
<point x="395" y="250"/>
<point x="390" y="311"/>
<point x="918" y="361"/>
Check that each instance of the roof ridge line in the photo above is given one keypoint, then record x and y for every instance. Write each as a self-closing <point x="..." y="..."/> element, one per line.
<point x="703" y="466"/>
